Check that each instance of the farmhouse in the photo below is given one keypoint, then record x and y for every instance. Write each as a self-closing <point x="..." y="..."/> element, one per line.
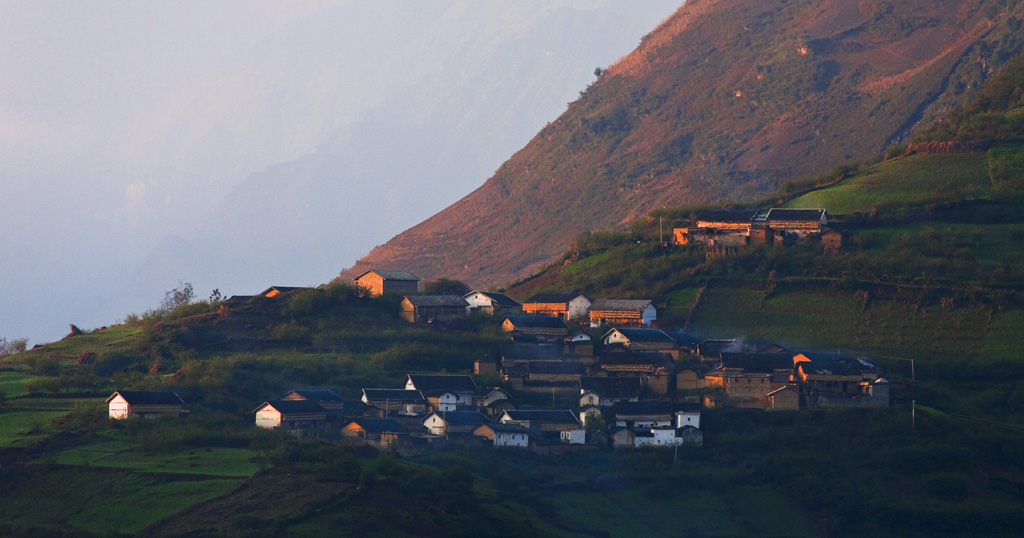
<point x="541" y="419"/>
<point x="640" y="339"/>
<point x="144" y="403"/>
<point x="444" y="392"/>
<point x="489" y="302"/>
<point x="428" y="308"/>
<point x="504" y="434"/>
<point x="748" y="378"/>
<point x="565" y="306"/>
<point x="377" y="282"/>
<point x="623" y="312"/>
<point x="454" y="422"/>
<point x="605" y="391"/>
<point x="396" y="401"/>
<point x="331" y="402"/>
<point x="383" y="431"/>
<point x="834" y="380"/>
<point x="534" y="325"/>
<point x="290" y="414"/>
<point x="279" y="291"/>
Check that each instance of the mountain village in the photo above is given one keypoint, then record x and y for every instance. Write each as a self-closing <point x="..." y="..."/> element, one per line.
<point x="636" y="386"/>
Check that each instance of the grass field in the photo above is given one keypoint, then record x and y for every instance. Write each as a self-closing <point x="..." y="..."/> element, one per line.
<point x="114" y="338"/>
<point x="830" y="320"/>
<point x="914" y="180"/>
<point x="22" y="420"/>
<point x="53" y="497"/>
<point x="12" y="383"/>
<point x="214" y="461"/>
<point x="636" y="511"/>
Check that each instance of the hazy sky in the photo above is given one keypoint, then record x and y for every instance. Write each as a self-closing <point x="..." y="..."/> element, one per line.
<point x="127" y="126"/>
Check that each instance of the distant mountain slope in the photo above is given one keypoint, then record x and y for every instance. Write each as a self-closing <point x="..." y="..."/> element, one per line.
<point x="724" y="100"/>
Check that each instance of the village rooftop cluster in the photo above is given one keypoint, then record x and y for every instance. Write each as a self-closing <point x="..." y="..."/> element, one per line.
<point x="636" y="386"/>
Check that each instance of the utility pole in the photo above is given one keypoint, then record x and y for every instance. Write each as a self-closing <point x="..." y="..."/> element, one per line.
<point x="913" y="415"/>
<point x="661" y="233"/>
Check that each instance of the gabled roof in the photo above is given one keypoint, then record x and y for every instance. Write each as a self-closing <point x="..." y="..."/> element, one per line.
<point x="712" y="346"/>
<point x="462" y="418"/>
<point x="527" y="321"/>
<point x="281" y="289"/>
<point x="379" y="425"/>
<point x="557" y="368"/>
<point x="826" y="363"/>
<point x="612" y="387"/>
<point x="389" y="274"/>
<point x="542" y="415"/>
<point x="642" y="335"/>
<point x="499" y="299"/>
<point x="683" y="338"/>
<point x="643" y="408"/>
<point x="727" y="215"/>
<point x="394" y="395"/>
<point x="316" y="395"/>
<point x="758" y="362"/>
<point x="433" y="383"/>
<point x="531" y="351"/>
<point x="632" y="358"/>
<point x="628" y="305"/>
<point x="498" y="427"/>
<point x="562" y="298"/>
<point x="419" y="301"/>
<point x="810" y="215"/>
<point x="287" y="407"/>
<point x="148" y="397"/>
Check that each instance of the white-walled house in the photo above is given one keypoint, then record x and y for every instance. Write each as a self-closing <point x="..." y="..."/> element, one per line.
<point x="574" y="437"/>
<point x="688" y="415"/>
<point x="290" y="414"/>
<point x="144" y="403"/>
<point x="503" y="435"/>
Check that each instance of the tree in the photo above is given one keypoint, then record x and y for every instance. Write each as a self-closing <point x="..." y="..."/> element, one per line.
<point x="10" y="347"/>
<point x="180" y="296"/>
<point x="445" y="286"/>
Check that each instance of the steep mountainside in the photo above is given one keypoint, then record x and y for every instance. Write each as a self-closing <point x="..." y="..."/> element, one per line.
<point x="724" y="100"/>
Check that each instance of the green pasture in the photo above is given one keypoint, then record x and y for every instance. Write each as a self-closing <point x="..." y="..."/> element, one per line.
<point x="99" y="341"/>
<point x="825" y="319"/>
<point x="678" y="302"/>
<point x="585" y="263"/>
<point x="23" y="420"/>
<point x="212" y="461"/>
<point x="640" y="511"/>
<point x="913" y="180"/>
<point x="12" y="383"/>
<point x="101" y="501"/>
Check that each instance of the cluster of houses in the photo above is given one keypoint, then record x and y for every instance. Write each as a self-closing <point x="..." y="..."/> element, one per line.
<point x="634" y="386"/>
<point x="738" y="228"/>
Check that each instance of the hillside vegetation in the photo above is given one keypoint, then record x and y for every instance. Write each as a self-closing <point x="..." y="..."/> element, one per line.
<point x="726" y="100"/>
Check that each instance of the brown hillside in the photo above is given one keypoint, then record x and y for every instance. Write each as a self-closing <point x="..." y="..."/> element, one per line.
<point x="725" y="100"/>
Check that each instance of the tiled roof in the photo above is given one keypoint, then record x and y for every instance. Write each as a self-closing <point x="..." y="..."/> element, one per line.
<point x="455" y="383"/>
<point x="758" y="362"/>
<point x="388" y="274"/>
<point x="436" y="300"/>
<point x="536" y="322"/>
<point x="463" y="418"/>
<point x="317" y="395"/>
<point x="394" y="395"/>
<point x="379" y="425"/>
<point x="810" y="215"/>
<point x="499" y="299"/>
<point x="541" y="415"/>
<point x="619" y="304"/>
<point x="612" y="387"/>
<point x="727" y="215"/>
<point x="557" y="368"/>
<point x="640" y="335"/>
<point x="148" y="397"/>
<point x="642" y="408"/>
<point x="294" y="406"/>
<point x="563" y="298"/>
<point x="531" y="351"/>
